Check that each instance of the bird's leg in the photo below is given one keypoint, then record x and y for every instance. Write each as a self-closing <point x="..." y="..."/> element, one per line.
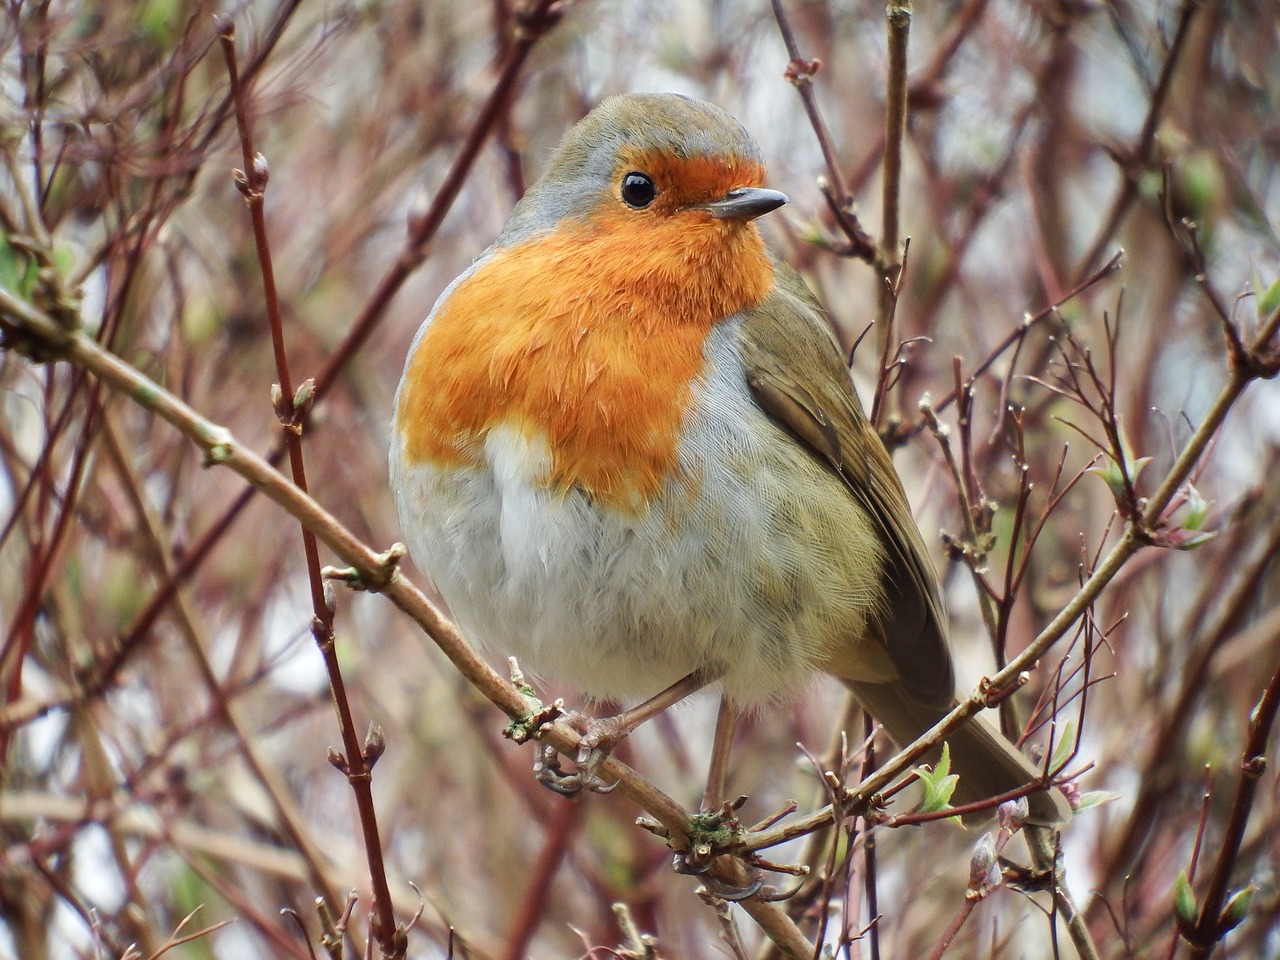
<point x="721" y="746"/>
<point x="601" y="734"/>
<point x="716" y="815"/>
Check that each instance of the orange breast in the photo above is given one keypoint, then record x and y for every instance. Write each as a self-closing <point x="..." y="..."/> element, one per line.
<point x="587" y="339"/>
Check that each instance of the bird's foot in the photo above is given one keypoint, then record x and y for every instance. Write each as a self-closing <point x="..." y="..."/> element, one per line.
<point x="690" y="864"/>
<point x="599" y="736"/>
<point x="712" y="834"/>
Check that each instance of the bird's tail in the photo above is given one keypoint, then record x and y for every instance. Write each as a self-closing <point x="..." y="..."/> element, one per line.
<point x="987" y="763"/>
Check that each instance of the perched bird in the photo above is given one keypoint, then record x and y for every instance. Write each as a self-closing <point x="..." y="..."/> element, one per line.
<point x="627" y="450"/>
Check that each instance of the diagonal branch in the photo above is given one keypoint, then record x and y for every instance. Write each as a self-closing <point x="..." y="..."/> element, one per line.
<point x="378" y="572"/>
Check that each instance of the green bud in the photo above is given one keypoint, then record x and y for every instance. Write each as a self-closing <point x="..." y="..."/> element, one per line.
<point x="1269" y="301"/>
<point x="1236" y="910"/>
<point x="1184" y="901"/>
<point x="938" y="783"/>
<point x="1197" y="509"/>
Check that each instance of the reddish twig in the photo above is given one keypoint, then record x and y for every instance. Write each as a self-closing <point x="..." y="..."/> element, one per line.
<point x="1016" y="336"/>
<point x="358" y="759"/>
<point x="1213" y="922"/>
<point x="800" y="73"/>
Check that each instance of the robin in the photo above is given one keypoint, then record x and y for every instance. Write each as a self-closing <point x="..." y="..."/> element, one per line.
<point x="627" y="450"/>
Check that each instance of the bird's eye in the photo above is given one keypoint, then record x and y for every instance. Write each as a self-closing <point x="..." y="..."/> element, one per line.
<point x="638" y="190"/>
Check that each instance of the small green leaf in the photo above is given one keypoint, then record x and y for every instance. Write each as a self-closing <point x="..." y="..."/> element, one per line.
<point x="17" y="268"/>
<point x="1183" y="540"/>
<point x="1184" y="900"/>
<point x="812" y="232"/>
<point x="1113" y="474"/>
<point x="939" y="783"/>
<point x="1197" y="509"/>
<point x="1202" y="184"/>
<point x="943" y="768"/>
<point x="1236" y="910"/>
<point x="157" y="18"/>
<point x="1066" y="744"/>
<point x="1150" y="184"/>
<point x="1109" y="472"/>
<point x="9" y="270"/>
<point x="1269" y="301"/>
<point x="1095" y="798"/>
<point x="64" y="258"/>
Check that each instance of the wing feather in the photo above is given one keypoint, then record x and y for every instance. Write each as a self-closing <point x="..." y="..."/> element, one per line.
<point x="797" y="376"/>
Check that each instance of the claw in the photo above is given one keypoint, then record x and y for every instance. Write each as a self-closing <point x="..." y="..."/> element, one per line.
<point x="600" y="736"/>
<point x="727" y="891"/>
<point x="548" y="772"/>
<point x="732" y="892"/>
<point x="691" y="865"/>
<point x="697" y="863"/>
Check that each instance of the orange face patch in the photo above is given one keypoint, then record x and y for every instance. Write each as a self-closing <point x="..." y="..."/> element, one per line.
<point x="587" y="338"/>
<point x="683" y="182"/>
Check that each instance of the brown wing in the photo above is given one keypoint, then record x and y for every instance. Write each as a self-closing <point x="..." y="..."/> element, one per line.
<point x="797" y="376"/>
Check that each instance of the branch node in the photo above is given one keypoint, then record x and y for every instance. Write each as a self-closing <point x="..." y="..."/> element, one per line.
<point x="375" y="745"/>
<point x="339" y="762"/>
<point x="800" y="71"/>
<point x="530" y="727"/>
<point x="376" y="578"/>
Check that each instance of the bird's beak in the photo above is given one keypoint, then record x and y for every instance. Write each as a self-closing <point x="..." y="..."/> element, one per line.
<point x="745" y="203"/>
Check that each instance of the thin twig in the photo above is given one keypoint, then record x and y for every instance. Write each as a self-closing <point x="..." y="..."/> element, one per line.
<point x="358" y="765"/>
<point x="898" y="25"/>
<point x="1016" y="335"/>
<point x="1139" y="157"/>
<point x="1212" y="924"/>
<point x="800" y="73"/>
